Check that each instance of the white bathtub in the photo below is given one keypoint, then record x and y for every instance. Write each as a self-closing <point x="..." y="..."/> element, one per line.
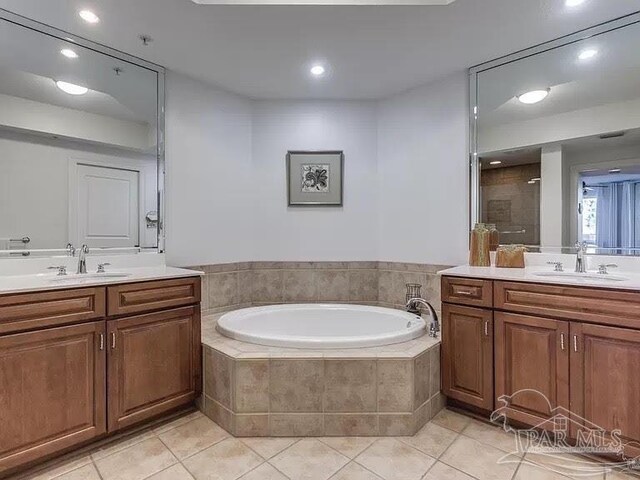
<point x="318" y="326"/>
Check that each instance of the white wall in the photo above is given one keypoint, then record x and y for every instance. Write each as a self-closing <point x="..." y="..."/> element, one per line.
<point x="208" y="163"/>
<point x="34" y="186"/>
<point x="551" y="212"/>
<point x="314" y="233"/>
<point x="406" y="176"/>
<point x="423" y="172"/>
<point x="29" y="115"/>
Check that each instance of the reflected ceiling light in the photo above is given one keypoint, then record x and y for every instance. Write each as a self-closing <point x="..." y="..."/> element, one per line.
<point x="317" y="70"/>
<point x="537" y="179"/>
<point x="495" y="162"/>
<point x="88" y="16"/>
<point x="71" y="88"/>
<point x="588" y="54"/>
<point x="531" y="182"/>
<point x="615" y="170"/>
<point x="534" y="96"/>
<point x="67" y="52"/>
<point x="573" y="3"/>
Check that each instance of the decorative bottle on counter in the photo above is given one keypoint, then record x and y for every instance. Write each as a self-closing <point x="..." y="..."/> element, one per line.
<point x="479" y="255"/>
<point x="494" y="237"/>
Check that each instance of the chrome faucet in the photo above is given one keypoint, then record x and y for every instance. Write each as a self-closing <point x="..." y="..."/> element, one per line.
<point x="434" y="326"/>
<point x="71" y="251"/>
<point x="581" y="266"/>
<point x="82" y="261"/>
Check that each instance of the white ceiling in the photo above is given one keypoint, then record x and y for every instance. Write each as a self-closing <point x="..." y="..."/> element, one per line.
<point x="369" y="51"/>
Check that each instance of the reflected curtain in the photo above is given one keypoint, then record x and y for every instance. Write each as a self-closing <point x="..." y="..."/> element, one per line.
<point x="617" y="210"/>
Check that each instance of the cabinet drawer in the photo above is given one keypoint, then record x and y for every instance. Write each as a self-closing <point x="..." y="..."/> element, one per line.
<point x="147" y="296"/>
<point x="28" y="311"/>
<point x="467" y="291"/>
<point x="620" y="308"/>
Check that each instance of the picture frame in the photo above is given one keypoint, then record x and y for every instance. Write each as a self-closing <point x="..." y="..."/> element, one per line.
<point x="315" y="178"/>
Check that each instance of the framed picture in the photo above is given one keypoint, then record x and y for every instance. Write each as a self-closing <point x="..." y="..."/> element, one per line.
<point x="315" y="178"/>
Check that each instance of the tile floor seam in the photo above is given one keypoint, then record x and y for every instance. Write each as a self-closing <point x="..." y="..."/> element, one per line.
<point x="515" y="473"/>
<point x="96" y="467"/>
<point x="367" y="469"/>
<point x="276" y="468"/>
<point x="227" y="436"/>
<point x="254" y="468"/>
<point x="336" y="450"/>
<point x="115" y="442"/>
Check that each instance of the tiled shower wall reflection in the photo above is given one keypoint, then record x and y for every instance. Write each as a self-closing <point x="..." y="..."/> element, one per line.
<point x="237" y="285"/>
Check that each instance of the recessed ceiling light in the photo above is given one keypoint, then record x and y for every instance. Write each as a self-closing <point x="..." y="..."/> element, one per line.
<point x="615" y="170"/>
<point x="71" y="88"/>
<point x="88" y="16"/>
<point x="495" y="162"/>
<point x="534" y="96"/>
<point x="317" y="70"/>
<point x="588" y="54"/>
<point x="67" y="52"/>
<point x="573" y="3"/>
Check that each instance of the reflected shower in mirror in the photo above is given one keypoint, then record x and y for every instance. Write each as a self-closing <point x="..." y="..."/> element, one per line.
<point x="556" y="148"/>
<point x="78" y="145"/>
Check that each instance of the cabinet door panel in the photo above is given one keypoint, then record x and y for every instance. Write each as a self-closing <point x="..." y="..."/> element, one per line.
<point x="153" y="364"/>
<point x="605" y="380"/>
<point x="467" y="353"/>
<point x="52" y="391"/>
<point x="532" y="362"/>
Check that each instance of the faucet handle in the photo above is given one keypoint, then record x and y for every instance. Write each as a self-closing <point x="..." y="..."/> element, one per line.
<point x="558" y="267"/>
<point x="101" y="267"/>
<point x="603" y="268"/>
<point x="62" y="269"/>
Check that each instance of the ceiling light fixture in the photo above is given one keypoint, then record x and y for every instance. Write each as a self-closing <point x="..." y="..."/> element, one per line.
<point x="71" y="88"/>
<point x="88" y="16"/>
<point x="533" y="96"/>
<point x="317" y="70"/>
<point x="588" y="54"/>
<point x="67" y="52"/>
<point x="615" y="170"/>
<point x="537" y="179"/>
<point x="495" y="162"/>
<point x="573" y="3"/>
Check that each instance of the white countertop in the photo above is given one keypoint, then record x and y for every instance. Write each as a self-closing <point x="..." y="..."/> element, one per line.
<point x="528" y="274"/>
<point x="47" y="281"/>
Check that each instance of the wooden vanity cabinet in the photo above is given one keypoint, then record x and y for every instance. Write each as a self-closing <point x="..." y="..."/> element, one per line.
<point x="605" y="381"/>
<point x="577" y="346"/>
<point x="153" y="364"/>
<point x="52" y="391"/>
<point x="467" y="355"/>
<point x="78" y="364"/>
<point x="531" y="353"/>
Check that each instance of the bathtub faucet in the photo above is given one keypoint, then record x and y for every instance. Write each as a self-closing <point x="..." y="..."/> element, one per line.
<point x="434" y="326"/>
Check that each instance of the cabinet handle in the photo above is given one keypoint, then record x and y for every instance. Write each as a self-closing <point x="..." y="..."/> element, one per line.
<point x="113" y="340"/>
<point x="463" y="292"/>
<point x="575" y="343"/>
<point x="102" y="341"/>
<point x="562" y="341"/>
<point x="486" y="329"/>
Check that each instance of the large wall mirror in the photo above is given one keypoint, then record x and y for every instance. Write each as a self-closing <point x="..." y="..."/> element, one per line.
<point x="556" y="142"/>
<point x="81" y="154"/>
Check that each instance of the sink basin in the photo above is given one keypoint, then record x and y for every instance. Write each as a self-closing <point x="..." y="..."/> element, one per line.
<point x="588" y="277"/>
<point x="90" y="277"/>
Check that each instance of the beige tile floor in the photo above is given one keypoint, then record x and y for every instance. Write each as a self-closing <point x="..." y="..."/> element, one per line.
<point x="450" y="447"/>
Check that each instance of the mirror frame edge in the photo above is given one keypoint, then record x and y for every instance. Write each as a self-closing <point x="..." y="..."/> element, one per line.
<point x="474" y="163"/>
<point x="160" y="71"/>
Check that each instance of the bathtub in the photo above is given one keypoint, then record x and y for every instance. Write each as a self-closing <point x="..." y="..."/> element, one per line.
<point x="319" y="326"/>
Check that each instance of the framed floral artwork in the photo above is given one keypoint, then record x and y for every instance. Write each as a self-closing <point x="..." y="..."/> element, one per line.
<point x="315" y="178"/>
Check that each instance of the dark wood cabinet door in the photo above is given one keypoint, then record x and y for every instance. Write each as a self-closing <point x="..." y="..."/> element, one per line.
<point x="605" y="381"/>
<point x="154" y="364"/>
<point x="52" y="391"/>
<point x="467" y="355"/>
<point x="531" y="367"/>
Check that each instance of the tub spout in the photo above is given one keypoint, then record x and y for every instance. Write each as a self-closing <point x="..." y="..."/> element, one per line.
<point x="434" y="325"/>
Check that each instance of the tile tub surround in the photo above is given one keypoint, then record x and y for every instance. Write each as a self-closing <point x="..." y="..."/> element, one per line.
<point x="252" y="390"/>
<point x="239" y="285"/>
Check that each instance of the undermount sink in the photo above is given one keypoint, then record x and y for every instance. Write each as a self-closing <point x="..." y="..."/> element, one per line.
<point x="89" y="276"/>
<point x="592" y="277"/>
